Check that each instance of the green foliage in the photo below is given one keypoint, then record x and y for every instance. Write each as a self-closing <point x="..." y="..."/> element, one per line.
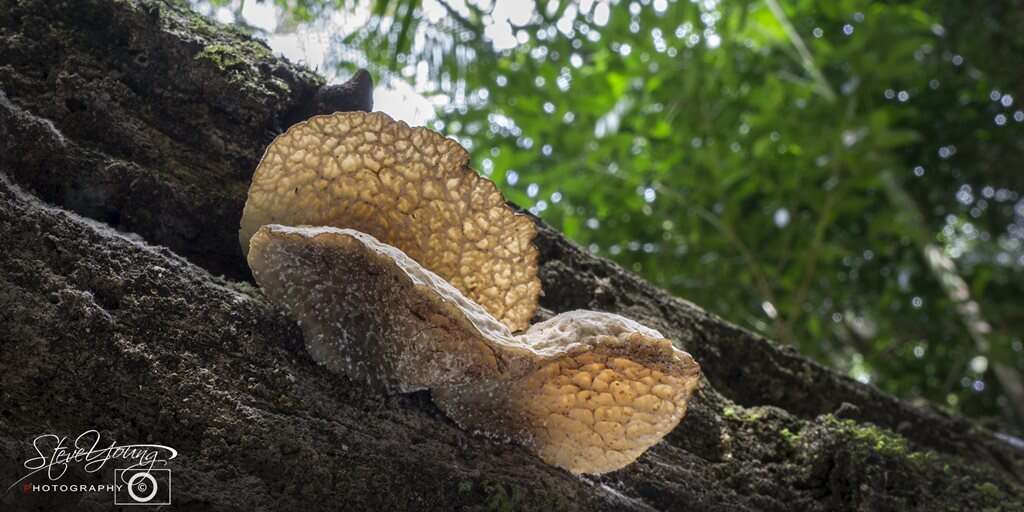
<point x="736" y="155"/>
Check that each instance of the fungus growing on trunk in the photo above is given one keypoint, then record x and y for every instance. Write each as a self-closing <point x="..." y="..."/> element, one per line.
<point x="587" y="391"/>
<point x="410" y="187"/>
<point x="407" y="270"/>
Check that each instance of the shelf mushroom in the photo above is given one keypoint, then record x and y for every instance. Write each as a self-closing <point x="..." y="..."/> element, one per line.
<point x="410" y="187"/>
<point x="587" y="391"/>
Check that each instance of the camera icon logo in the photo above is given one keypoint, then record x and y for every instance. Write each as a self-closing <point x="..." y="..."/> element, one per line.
<point x="142" y="487"/>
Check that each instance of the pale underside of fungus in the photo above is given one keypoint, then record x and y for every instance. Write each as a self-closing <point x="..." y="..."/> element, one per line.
<point x="408" y="271"/>
<point x="587" y="391"/>
<point x="409" y="186"/>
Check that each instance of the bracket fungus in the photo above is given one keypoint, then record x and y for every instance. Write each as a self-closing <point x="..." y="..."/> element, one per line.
<point x="587" y="391"/>
<point x="409" y="186"/>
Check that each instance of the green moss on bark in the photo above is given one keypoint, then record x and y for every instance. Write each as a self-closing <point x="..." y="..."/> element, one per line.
<point x="865" y="465"/>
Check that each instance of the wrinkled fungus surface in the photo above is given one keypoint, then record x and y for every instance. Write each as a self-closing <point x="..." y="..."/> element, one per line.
<point x="585" y="390"/>
<point x="409" y="187"/>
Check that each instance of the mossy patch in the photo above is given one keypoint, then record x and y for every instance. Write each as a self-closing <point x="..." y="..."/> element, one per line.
<point x="224" y="56"/>
<point x="498" y="496"/>
<point x="989" y="489"/>
<point x="870" y="437"/>
<point x="884" y="471"/>
<point x="499" y="499"/>
<point x="240" y="61"/>
<point x="229" y="51"/>
<point x="789" y="437"/>
<point x="744" y="414"/>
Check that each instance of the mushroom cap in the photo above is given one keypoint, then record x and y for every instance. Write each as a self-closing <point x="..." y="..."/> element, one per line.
<point x="409" y="187"/>
<point x="586" y="391"/>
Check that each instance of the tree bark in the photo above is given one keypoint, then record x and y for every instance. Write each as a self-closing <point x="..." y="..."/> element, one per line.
<point x="129" y="130"/>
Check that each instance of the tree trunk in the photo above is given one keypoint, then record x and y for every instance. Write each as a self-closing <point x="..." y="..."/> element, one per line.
<point x="135" y="316"/>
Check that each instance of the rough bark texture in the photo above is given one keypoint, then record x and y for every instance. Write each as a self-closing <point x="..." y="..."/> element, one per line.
<point x="144" y="118"/>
